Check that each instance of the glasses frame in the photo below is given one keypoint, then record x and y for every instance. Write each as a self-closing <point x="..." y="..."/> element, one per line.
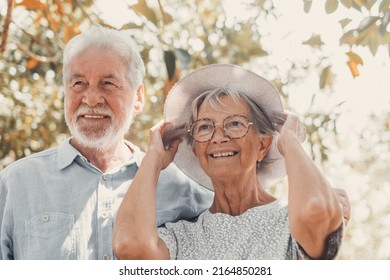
<point x="222" y="124"/>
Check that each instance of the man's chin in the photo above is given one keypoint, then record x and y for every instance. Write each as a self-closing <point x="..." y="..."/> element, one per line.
<point x="96" y="143"/>
<point x="98" y="140"/>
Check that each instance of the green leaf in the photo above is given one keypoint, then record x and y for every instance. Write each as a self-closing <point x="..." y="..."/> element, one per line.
<point x="385" y="23"/>
<point x="326" y="78"/>
<point x="307" y="5"/>
<point x="184" y="58"/>
<point x="314" y="41"/>
<point x="373" y="42"/>
<point x="389" y="49"/>
<point x="347" y="3"/>
<point x="384" y="40"/>
<point x="170" y="63"/>
<point x="142" y="8"/>
<point x="331" y="6"/>
<point x="345" y="22"/>
<point x="357" y="4"/>
<point x="348" y="38"/>
<point x="384" y="6"/>
<point x="365" y="23"/>
<point x="369" y="3"/>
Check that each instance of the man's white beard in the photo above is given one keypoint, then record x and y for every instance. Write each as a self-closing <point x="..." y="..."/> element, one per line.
<point x="108" y="138"/>
<point x="104" y="139"/>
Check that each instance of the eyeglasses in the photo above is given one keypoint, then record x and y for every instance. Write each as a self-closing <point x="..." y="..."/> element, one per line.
<point x="234" y="127"/>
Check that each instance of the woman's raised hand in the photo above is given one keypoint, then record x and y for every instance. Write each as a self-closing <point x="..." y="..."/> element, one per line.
<point x="155" y="145"/>
<point x="292" y="128"/>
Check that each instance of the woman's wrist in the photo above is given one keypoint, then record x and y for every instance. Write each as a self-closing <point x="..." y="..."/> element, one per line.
<point x="154" y="159"/>
<point x="287" y="141"/>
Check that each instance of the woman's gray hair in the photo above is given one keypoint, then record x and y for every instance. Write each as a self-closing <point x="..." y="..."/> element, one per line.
<point x="106" y="39"/>
<point x="261" y="121"/>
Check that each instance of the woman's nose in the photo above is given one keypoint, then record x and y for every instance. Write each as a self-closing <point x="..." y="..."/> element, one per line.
<point x="219" y="134"/>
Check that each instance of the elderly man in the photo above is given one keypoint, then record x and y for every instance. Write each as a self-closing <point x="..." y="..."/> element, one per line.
<point x="61" y="203"/>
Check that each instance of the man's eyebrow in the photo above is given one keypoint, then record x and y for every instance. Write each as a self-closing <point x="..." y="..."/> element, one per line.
<point x="111" y="76"/>
<point x="107" y="76"/>
<point x="76" y="75"/>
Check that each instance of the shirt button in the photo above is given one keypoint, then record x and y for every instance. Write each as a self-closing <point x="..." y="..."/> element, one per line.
<point x="106" y="257"/>
<point x="104" y="214"/>
<point x="45" y="218"/>
<point x="105" y="177"/>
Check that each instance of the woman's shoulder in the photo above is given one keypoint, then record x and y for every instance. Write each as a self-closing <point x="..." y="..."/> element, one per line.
<point x="273" y="212"/>
<point x="275" y="208"/>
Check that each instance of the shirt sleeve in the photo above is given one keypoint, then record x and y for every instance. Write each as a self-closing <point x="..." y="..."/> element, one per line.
<point x="179" y="197"/>
<point x="5" y="248"/>
<point x="168" y="237"/>
<point x="332" y="246"/>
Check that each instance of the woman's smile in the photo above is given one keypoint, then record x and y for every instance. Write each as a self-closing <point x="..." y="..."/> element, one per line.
<point x="223" y="154"/>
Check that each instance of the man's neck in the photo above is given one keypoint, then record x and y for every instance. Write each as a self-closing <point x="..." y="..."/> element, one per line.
<point x="108" y="159"/>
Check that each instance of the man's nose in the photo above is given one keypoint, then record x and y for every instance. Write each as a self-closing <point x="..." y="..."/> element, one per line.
<point x="92" y="97"/>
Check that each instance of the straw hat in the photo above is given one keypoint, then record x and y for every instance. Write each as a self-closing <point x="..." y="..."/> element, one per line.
<point x="177" y="111"/>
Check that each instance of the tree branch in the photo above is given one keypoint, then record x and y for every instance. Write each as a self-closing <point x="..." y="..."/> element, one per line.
<point x="32" y="37"/>
<point x="81" y="6"/>
<point x="37" y="57"/>
<point x="6" y="25"/>
<point x="164" y="16"/>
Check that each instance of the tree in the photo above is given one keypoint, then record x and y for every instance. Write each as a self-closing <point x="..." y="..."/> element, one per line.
<point x="371" y="32"/>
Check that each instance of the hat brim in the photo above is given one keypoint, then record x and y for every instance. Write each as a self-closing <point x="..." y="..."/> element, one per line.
<point x="177" y="112"/>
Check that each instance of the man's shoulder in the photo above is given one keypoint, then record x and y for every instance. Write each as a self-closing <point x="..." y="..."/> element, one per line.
<point x="173" y="173"/>
<point x="46" y="157"/>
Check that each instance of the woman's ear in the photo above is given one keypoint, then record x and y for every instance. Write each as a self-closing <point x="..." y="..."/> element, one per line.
<point x="265" y="145"/>
<point x="139" y="101"/>
<point x="193" y="148"/>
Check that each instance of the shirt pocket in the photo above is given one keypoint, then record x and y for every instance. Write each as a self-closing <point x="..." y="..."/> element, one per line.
<point x="51" y="236"/>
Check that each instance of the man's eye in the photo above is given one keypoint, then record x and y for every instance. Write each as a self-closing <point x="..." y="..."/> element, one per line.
<point x="78" y="84"/>
<point x="108" y="83"/>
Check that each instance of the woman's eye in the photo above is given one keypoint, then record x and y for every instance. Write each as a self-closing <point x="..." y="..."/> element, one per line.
<point x="235" y="124"/>
<point x="204" y="127"/>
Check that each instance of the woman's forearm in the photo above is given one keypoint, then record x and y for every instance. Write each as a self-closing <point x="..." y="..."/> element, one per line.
<point x="135" y="232"/>
<point x="314" y="211"/>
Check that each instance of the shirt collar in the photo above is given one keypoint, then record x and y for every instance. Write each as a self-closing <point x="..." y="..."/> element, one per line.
<point x="137" y="153"/>
<point x="67" y="154"/>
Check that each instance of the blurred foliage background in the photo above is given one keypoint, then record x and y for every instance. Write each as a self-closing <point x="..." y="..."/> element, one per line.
<point x="176" y="37"/>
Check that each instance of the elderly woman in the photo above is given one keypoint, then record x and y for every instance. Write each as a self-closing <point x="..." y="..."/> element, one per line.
<point x="240" y="142"/>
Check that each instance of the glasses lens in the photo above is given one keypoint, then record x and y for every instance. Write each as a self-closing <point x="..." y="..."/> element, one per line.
<point x="236" y="126"/>
<point x="202" y="130"/>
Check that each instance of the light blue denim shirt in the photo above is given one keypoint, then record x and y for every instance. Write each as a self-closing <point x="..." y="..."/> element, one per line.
<point x="56" y="205"/>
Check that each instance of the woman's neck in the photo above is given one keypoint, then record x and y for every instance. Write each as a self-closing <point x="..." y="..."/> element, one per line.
<point x="235" y="199"/>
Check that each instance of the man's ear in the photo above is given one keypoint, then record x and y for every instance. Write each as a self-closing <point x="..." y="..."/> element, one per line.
<point x="139" y="101"/>
<point x="265" y="145"/>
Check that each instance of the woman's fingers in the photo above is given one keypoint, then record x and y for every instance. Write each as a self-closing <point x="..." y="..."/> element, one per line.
<point x="344" y="203"/>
